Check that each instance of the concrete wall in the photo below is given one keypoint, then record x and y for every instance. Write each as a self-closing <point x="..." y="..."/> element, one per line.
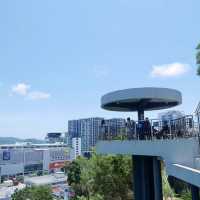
<point x="179" y="155"/>
<point x="181" y="151"/>
<point x="12" y="169"/>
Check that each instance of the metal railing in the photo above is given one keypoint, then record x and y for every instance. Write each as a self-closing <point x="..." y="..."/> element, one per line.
<point x="184" y="127"/>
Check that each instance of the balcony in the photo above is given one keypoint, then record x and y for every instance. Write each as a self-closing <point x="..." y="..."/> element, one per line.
<point x="153" y="129"/>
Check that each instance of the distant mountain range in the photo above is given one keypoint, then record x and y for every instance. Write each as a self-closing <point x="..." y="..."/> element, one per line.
<point x="13" y="140"/>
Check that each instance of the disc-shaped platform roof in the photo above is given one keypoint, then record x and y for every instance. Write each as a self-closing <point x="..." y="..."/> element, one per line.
<point x="148" y="98"/>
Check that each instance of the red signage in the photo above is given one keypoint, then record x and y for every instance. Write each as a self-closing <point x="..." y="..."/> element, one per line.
<point x="56" y="165"/>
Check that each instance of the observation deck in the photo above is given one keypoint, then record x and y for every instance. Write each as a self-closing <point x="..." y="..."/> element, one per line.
<point x="176" y="142"/>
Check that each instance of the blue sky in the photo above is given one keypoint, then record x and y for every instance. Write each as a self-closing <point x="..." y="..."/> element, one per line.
<point x="58" y="57"/>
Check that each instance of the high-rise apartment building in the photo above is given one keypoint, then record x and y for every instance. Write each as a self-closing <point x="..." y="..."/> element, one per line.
<point x="114" y="127"/>
<point x="170" y="115"/>
<point x="87" y="129"/>
<point x="91" y="128"/>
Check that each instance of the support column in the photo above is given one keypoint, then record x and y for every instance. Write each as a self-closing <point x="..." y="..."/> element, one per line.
<point x="138" y="177"/>
<point x="147" y="178"/>
<point x="195" y="192"/>
<point x="157" y="173"/>
<point x="147" y="175"/>
<point x="140" y="114"/>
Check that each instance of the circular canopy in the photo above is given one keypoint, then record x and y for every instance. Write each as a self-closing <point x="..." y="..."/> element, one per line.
<point x="135" y="99"/>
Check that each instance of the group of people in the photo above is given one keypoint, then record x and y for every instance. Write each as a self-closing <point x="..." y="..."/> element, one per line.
<point x="144" y="130"/>
<point x="141" y="130"/>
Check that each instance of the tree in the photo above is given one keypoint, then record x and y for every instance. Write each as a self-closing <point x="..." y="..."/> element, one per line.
<point x="74" y="173"/>
<point x="96" y="197"/>
<point x="113" y="177"/>
<point x="33" y="193"/>
<point x="178" y="186"/>
<point x="110" y="178"/>
<point x="102" y="177"/>
<point x="186" y="195"/>
<point x="198" y="59"/>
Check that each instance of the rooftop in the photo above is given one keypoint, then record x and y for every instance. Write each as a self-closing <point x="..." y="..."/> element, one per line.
<point x="45" y="180"/>
<point x="21" y="145"/>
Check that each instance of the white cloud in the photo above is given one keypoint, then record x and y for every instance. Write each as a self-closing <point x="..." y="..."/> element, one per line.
<point x="38" y="95"/>
<point x="101" y="71"/>
<point x="169" y="70"/>
<point x="21" y="89"/>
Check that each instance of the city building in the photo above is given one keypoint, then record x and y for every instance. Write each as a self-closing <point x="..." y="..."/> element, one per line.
<point x="30" y="158"/>
<point x="51" y="180"/>
<point x="170" y="115"/>
<point x="76" y="146"/>
<point x="90" y="129"/>
<point x="74" y="128"/>
<point x="114" y="127"/>
<point x="54" y="138"/>
<point x="86" y="129"/>
<point x="57" y="182"/>
<point x="67" y="139"/>
<point x="197" y="113"/>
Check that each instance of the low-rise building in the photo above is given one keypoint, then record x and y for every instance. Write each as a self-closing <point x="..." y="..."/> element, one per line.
<point x="31" y="158"/>
<point x="54" y="137"/>
<point x="51" y="180"/>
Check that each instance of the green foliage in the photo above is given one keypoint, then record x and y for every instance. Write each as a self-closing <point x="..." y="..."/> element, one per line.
<point x="167" y="190"/>
<point x="198" y="70"/>
<point x="178" y="186"/>
<point x="110" y="178"/>
<point x="96" y="197"/>
<point x="186" y="195"/>
<point x="181" y="188"/>
<point x="33" y="193"/>
<point x="74" y="173"/>
<point x="114" y="177"/>
<point x="103" y="178"/>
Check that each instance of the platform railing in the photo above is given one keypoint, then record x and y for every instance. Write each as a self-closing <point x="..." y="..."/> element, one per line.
<point x="183" y="127"/>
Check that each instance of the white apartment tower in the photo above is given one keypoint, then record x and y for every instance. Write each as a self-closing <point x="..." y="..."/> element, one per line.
<point x="76" y="145"/>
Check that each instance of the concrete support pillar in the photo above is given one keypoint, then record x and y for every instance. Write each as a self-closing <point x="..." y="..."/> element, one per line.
<point x="138" y="177"/>
<point x="147" y="178"/>
<point x="195" y="192"/>
<point x="157" y="179"/>
<point x="140" y="114"/>
<point x="147" y="175"/>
